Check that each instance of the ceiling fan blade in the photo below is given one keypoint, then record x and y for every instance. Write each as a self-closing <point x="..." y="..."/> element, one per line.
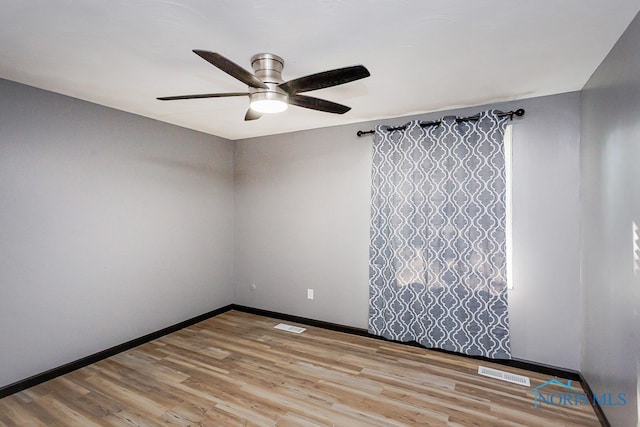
<point x="325" y="79"/>
<point x="318" y="104"/>
<point x="231" y="68"/>
<point x="251" y="115"/>
<point x="203" y="95"/>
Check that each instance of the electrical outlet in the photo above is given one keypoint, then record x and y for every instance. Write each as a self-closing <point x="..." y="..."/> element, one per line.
<point x="309" y="293"/>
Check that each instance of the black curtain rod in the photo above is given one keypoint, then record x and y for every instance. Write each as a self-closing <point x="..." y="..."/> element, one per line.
<point x="519" y="112"/>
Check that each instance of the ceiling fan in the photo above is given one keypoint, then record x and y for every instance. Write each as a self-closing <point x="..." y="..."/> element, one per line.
<point x="269" y="93"/>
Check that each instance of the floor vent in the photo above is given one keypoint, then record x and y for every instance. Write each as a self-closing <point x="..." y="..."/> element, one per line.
<point x="504" y="376"/>
<point x="290" y="328"/>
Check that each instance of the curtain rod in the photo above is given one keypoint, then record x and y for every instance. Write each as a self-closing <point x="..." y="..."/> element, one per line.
<point x="519" y="112"/>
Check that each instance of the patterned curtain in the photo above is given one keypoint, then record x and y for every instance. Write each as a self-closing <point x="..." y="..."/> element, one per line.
<point x="437" y="251"/>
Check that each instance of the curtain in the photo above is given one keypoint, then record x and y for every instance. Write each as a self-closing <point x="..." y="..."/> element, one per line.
<point x="437" y="272"/>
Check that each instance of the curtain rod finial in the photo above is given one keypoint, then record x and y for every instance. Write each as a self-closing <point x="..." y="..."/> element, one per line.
<point x="364" y="132"/>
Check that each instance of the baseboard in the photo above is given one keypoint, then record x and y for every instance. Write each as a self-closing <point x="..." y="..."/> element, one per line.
<point x="594" y="403"/>
<point x="96" y="357"/>
<point x="540" y="368"/>
<point x="304" y="320"/>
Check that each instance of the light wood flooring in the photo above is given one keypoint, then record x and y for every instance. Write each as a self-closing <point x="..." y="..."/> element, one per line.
<point x="236" y="370"/>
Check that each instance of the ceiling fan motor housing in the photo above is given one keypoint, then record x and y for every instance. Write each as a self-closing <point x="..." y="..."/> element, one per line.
<point x="268" y="68"/>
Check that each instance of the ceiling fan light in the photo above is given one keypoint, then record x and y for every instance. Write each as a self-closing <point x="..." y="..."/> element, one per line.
<point x="268" y="102"/>
<point x="269" y="106"/>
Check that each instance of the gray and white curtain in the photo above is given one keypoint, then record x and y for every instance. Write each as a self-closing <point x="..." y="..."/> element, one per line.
<point x="437" y="250"/>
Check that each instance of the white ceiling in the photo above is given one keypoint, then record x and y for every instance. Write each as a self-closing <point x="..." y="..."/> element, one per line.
<point x="423" y="55"/>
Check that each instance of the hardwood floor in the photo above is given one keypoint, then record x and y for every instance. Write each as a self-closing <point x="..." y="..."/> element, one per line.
<point x="236" y="370"/>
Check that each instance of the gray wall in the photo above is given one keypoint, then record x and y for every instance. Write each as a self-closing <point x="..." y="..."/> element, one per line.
<point x="111" y="226"/>
<point x="302" y="221"/>
<point x="610" y="161"/>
